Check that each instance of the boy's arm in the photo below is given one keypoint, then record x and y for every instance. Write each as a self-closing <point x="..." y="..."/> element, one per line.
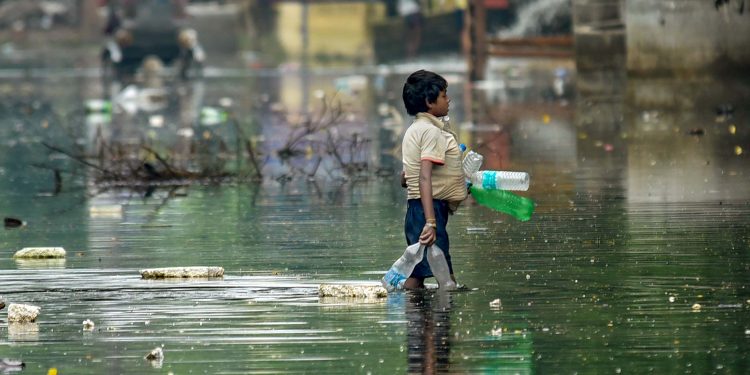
<point x="429" y="234"/>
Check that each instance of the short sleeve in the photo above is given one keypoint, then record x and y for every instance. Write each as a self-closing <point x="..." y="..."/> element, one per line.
<point x="433" y="146"/>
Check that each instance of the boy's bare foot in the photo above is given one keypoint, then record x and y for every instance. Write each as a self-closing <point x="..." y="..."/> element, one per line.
<point x="414" y="283"/>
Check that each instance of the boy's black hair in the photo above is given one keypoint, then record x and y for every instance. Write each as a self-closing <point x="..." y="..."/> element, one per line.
<point x="421" y="87"/>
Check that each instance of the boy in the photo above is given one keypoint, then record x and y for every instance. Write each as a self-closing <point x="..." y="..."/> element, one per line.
<point x="432" y="171"/>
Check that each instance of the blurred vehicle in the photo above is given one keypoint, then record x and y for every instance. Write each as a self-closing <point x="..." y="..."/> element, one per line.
<point x="139" y="29"/>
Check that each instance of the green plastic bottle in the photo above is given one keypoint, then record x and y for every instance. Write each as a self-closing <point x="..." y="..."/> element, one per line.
<point x="504" y="201"/>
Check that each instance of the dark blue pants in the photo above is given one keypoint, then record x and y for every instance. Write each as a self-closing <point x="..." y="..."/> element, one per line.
<point x="413" y="225"/>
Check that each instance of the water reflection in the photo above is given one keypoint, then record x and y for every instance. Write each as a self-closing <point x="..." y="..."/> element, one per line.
<point x="639" y="219"/>
<point x="428" y="315"/>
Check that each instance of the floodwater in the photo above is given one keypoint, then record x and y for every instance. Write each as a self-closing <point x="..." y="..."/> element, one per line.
<point x="636" y="260"/>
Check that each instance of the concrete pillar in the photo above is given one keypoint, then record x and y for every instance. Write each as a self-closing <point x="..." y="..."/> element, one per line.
<point x="599" y="34"/>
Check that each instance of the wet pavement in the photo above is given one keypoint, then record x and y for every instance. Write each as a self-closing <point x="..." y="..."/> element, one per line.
<point x="636" y="259"/>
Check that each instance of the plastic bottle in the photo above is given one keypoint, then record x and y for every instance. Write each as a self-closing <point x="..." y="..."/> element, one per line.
<point x="98" y="106"/>
<point x="439" y="267"/>
<point x="502" y="180"/>
<point x="212" y="116"/>
<point x="504" y="201"/>
<point x="472" y="162"/>
<point x="400" y="270"/>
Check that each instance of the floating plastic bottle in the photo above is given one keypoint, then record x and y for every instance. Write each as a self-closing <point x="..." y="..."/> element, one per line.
<point x="501" y="180"/>
<point x="212" y="116"/>
<point x="504" y="201"/>
<point x="472" y="162"/>
<point x="98" y="106"/>
<point x="439" y="267"/>
<point x="403" y="267"/>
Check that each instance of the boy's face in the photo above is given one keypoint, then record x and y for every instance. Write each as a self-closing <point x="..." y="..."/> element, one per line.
<point x="440" y="107"/>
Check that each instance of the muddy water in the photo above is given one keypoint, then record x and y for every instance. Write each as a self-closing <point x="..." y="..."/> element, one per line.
<point x="636" y="260"/>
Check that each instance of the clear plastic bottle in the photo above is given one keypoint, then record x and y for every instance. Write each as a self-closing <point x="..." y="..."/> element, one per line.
<point x="472" y="162"/>
<point x="501" y="180"/>
<point x="401" y="269"/>
<point x="439" y="267"/>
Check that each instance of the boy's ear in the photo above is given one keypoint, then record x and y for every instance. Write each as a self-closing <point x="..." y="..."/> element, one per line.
<point x="427" y="102"/>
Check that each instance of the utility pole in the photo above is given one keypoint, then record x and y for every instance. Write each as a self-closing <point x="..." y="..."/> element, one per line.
<point x="477" y="59"/>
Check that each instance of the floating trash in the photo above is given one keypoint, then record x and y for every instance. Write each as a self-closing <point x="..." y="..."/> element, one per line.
<point x="112" y="211"/>
<point x="39" y="253"/>
<point x="20" y="313"/>
<point x="98" y="106"/>
<point x="186" y="132"/>
<point x="156" y="121"/>
<point x="496" y="303"/>
<point x="11" y="222"/>
<point x="88" y="325"/>
<point x="155" y="357"/>
<point x="352" y="291"/>
<point x="182" y="272"/>
<point x="11" y="365"/>
<point x="212" y="116"/>
<point x="696" y="306"/>
<point x="226" y="102"/>
<point x="155" y="354"/>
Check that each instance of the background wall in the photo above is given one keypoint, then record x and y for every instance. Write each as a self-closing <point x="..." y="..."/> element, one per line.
<point x="687" y="36"/>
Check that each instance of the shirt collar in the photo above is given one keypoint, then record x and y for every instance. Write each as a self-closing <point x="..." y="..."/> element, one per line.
<point x="434" y="120"/>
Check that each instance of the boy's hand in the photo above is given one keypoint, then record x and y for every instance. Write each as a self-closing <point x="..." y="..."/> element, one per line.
<point x="403" y="179"/>
<point x="428" y="236"/>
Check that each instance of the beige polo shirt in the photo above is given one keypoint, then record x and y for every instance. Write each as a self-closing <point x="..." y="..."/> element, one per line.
<point x="428" y="138"/>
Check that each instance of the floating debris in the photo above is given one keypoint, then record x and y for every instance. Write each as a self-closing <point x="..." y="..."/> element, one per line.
<point x="182" y="272"/>
<point x="11" y="222"/>
<point x="20" y="313"/>
<point x="696" y="131"/>
<point x="212" y="116"/>
<point x="98" y="106"/>
<point x="112" y="210"/>
<point x="496" y="303"/>
<point x="88" y="325"/>
<point x="155" y="354"/>
<point x="671" y="299"/>
<point x="355" y="291"/>
<point x="40" y="253"/>
<point x="2" y="304"/>
<point x="156" y="357"/>
<point x="696" y="306"/>
<point x="11" y="365"/>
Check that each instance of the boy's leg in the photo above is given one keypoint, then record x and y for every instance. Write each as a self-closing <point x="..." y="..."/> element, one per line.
<point x="413" y="225"/>
<point x="414" y="283"/>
